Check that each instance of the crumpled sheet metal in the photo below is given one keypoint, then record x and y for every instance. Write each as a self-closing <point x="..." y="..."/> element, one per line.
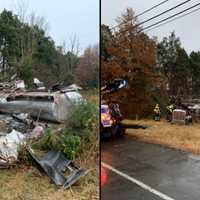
<point x="54" y="163"/>
<point x="51" y="106"/>
<point x="9" y="147"/>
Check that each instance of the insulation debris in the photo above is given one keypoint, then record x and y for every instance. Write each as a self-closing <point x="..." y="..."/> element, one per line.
<point x="9" y="147"/>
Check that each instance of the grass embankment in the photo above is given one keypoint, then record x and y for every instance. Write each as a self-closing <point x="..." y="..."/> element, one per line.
<point x="31" y="184"/>
<point x="28" y="183"/>
<point x="181" y="137"/>
<point x="92" y="95"/>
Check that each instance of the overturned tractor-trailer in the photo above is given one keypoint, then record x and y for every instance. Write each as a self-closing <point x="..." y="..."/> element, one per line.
<point x="52" y="106"/>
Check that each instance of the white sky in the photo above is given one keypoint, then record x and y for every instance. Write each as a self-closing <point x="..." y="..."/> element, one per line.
<point x="65" y="18"/>
<point x="187" y="28"/>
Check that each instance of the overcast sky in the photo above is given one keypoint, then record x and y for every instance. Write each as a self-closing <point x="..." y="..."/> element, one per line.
<point x="187" y="28"/>
<point x="66" y="18"/>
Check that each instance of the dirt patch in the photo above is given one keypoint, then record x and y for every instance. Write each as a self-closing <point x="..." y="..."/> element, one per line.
<point x="182" y="137"/>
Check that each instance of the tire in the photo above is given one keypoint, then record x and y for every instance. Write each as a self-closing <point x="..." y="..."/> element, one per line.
<point x="105" y="133"/>
<point x="119" y="130"/>
<point x="115" y="131"/>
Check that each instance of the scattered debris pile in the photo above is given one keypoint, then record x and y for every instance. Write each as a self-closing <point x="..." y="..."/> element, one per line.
<point x="15" y="131"/>
<point x="12" y="86"/>
<point x="20" y="122"/>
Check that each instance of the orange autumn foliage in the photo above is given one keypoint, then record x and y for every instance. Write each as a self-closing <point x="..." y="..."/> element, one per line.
<point x="133" y="57"/>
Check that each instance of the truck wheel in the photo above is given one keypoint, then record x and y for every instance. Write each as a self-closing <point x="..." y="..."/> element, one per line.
<point x="119" y="130"/>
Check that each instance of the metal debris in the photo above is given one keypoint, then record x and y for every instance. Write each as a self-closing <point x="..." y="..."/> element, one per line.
<point x="74" y="87"/>
<point x="39" y="85"/>
<point x="63" y="88"/>
<point x="114" y="86"/>
<point x="54" y="106"/>
<point x="20" y="84"/>
<point x="55" y="164"/>
<point x="12" y="86"/>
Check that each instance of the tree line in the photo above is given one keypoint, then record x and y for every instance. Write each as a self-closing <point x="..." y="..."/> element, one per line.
<point x="155" y="70"/>
<point x="181" y="70"/>
<point x="27" y="50"/>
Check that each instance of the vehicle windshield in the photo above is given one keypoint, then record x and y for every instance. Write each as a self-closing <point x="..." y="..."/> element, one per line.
<point x="104" y="110"/>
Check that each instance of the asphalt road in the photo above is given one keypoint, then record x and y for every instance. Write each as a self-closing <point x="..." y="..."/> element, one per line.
<point x="141" y="171"/>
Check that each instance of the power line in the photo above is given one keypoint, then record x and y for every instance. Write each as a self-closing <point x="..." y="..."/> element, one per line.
<point x="158" y="15"/>
<point x="142" y="13"/>
<point x="160" y="22"/>
<point x="163" y="20"/>
<point x="162" y="13"/>
<point x="151" y="8"/>
<point x="176" y="18"/>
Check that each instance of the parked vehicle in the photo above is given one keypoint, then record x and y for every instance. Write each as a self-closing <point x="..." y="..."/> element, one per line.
<point x="110" y="122"/>
<point x="111" y="116"/>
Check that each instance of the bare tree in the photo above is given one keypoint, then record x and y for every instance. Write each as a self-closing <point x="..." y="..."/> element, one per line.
<point x="88" y="68"/>
<point x="71" y="50"/>
<point x="74" y="45"/>
<point x="63" y="47"/>
<point x="21" y="8"/>
<point x="40" y="21"/>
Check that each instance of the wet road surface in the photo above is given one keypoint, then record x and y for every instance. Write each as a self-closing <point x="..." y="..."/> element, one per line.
<point x="173" y="173"/>
<point x="127" y="190"/>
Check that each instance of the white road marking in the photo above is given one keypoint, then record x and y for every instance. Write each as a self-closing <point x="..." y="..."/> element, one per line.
<point x="137" y="182"/>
